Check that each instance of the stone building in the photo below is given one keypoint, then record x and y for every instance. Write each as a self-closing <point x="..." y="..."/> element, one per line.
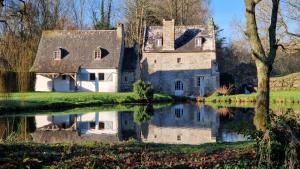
<point x="84" y="60"/>
<point x="180" y="60"/>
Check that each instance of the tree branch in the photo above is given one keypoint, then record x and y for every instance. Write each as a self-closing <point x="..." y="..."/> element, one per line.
<point x="258" y="52"/>
<point x="272" y="32"/>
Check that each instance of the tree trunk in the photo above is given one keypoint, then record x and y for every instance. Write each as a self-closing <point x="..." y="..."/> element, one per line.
<point x="263" y="95"/>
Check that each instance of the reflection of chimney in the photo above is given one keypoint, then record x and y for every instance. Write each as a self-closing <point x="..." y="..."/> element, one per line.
<point x="168" y="34"/>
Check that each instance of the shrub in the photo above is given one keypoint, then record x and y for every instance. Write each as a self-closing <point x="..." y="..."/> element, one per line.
<point x="143" y="90"/>
<point x="225" y="90"/>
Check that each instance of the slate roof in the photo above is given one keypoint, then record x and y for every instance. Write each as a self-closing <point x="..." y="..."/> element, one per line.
<point x="184" y="38"/>
<point x="78" y="48"/>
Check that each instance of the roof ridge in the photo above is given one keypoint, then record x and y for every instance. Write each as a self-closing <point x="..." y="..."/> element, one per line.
<point x="80" y="30"/>
<point x="179" y="25"/>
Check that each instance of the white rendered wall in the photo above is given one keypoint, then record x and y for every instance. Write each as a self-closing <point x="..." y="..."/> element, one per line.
<point x="43" y="84"/>
<point x="99" y="86"/>
<point x="44" y="120"/>
<point x="99" y="117"/>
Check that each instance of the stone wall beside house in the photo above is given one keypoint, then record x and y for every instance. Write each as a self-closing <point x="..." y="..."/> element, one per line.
<point x="289" y="82"/>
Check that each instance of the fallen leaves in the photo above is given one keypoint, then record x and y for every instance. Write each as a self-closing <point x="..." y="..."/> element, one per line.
<point x="117" y="156"/>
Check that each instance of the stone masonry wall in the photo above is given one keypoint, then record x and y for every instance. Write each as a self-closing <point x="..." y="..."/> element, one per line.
<point x="162" y="71"/>
<point x="289" y="82"/>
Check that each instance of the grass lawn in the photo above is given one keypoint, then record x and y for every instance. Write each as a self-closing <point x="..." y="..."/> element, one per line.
<point x="57" y="101"/>
<point x="287" y="97"/>
<point x="130" y="154"/>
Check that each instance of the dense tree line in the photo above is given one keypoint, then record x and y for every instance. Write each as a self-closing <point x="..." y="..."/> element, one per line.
<point x="22" y="21"/>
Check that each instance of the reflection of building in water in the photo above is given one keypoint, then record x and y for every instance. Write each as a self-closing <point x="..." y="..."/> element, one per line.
<point x="73" y="128"/>
<point x="182" y="124"/>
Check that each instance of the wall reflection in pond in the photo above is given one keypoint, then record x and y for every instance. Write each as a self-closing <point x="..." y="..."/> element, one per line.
<point x="180" y="124"/>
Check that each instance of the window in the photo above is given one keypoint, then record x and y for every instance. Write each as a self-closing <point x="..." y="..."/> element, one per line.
<point x="92" y="76"/>
<point x="199" y="116"/>
<point x="178" y="60"/>
<point x="125" y="79"/>
<point x="101" y="126"/>
<point x="57" y="55"/>
<point x="63" y="77"/>
<point x="97" y="54"/>
<point x="178" y="137"/>
<point x="178" y="112"/>
<point x="101" y="76"/>
<point x="159" y="42"/>
<point x="198" y="42"/>
<point x="92" y="125"/>
<point x="178" y="85"/>
<point x="200" y="80"/>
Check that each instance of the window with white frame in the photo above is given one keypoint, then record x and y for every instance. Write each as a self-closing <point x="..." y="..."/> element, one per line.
<point x="198" y="41"/>
<point x="159" y="42"/>
<point x="57" y="55"/>
<point x="97" y="54"/>
<point x="178" y="112"/>
<point x="178" y="85"/>
<point x="200" y="80"/>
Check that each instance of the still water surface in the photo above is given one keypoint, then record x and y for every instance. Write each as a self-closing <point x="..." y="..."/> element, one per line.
<point x="176" y="124"/>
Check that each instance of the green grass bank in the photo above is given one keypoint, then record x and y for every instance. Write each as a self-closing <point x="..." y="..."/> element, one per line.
<point x="287" y="97"/>
<point x="58" y="101"/>
<point x="129" y="154"/>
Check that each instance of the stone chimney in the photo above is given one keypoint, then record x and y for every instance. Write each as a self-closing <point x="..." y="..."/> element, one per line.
<point x="169" y="34"/>
<point x="120" y="31"/>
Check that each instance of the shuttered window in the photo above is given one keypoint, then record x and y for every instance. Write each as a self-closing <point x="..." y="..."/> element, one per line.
<point x="108" y="76"/>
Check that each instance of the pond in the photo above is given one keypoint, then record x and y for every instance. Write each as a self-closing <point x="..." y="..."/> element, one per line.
<point x="171" y="124"/>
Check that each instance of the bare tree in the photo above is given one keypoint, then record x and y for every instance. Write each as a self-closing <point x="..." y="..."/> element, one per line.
<point x="264" y="59"/>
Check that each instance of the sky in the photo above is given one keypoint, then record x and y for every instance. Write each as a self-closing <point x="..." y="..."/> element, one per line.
<point x="224" y="13"/>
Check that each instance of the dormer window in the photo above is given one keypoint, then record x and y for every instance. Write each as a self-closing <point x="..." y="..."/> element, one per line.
<point x="159" y="42"/>
<point x="198" y="41"/>
<point x="97" y="54"/>
<point x="57" y="54"/>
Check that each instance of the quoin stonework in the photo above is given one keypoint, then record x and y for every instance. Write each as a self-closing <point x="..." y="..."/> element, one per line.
<point x="180" y="60"/>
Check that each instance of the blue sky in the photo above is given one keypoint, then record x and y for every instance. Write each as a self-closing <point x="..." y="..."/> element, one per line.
<point x="224" y="12"/>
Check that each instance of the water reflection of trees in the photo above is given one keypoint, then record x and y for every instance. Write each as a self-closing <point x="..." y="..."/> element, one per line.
<point x="16" y="129"/>
<point x="143" y="113"/>
<point x="238" y="120"/>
